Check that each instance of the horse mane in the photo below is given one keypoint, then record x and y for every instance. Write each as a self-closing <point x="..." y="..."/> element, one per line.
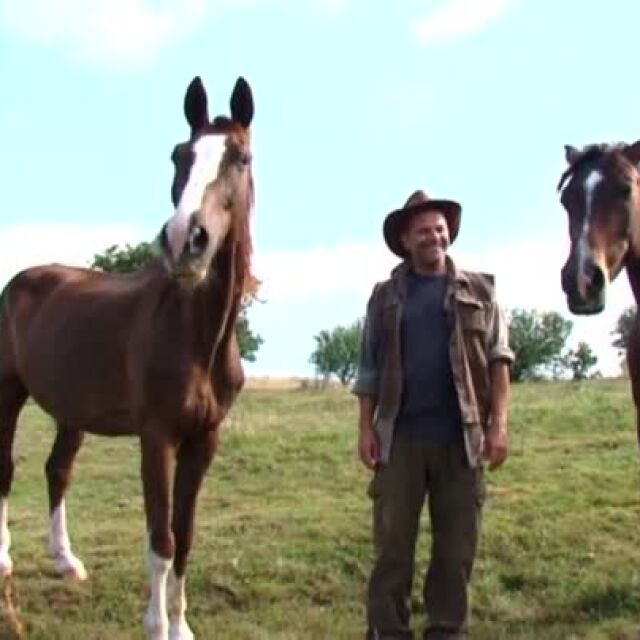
<point x="589" y="154"/>
<point x="248" y="284"/>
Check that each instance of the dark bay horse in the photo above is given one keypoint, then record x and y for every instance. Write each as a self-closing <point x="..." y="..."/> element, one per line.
<point x="151" y="354"/>
<point x="601" y="194"/>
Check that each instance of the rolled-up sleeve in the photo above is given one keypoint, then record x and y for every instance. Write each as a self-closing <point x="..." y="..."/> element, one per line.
<point x="498" y="347"/>
<point x="368" y="375"/>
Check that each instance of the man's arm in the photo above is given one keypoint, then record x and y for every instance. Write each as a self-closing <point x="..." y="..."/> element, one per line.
<point x="366" y="387"/>
<point x="496" y="437"/>
<point x="368" y="446"/>
<point x="500" y="357"/>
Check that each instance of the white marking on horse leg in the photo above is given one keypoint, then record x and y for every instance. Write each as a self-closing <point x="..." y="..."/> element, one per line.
<point x="6" y="564"/>
<point x="156" y="620"/>
<point x="65" y="562"/>
<point x="177" y="605"/>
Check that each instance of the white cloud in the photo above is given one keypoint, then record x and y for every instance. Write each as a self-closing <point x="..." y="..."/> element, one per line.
<point x="458" y="18"/>
<point x="340" y="278"/>
<point x="306" y="291"/>
<point x="324" y="271"/>
<point x="126" y="34"/>
<point x="26" y="245"/>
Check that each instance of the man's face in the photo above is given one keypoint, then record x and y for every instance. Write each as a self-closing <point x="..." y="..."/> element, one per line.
<point x="426" y="238"/>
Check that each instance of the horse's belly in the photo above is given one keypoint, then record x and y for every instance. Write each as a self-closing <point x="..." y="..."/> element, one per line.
<point x="85" y="414"/>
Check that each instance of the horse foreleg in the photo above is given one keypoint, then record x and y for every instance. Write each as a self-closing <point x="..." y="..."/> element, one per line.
<point x="157" y="462"/>
<point x="13" y="395"/>
<point x="58" y="471"/>
<point x="194" y="458"/>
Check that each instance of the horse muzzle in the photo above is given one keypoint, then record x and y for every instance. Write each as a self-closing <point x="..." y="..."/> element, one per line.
<point x="190" y="267"/>
<point x="585" y="286"/>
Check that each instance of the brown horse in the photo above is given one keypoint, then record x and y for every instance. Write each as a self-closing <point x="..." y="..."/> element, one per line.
<point x="601" y="194"/>
<point x="151" y="354"/>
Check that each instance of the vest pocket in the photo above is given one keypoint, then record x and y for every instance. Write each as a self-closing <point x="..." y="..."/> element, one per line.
<point x="472" y="315"/>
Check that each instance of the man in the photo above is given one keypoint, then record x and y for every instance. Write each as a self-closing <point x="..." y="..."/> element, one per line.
<point x="433" y="390"/>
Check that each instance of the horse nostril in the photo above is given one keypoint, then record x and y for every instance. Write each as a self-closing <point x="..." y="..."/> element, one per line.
<point x="163" y="237"/>
<point x="565" y="279"/>
<point x="597" y="279"/>
<point x="198" y="240"/>
<point x="594" y="278"/>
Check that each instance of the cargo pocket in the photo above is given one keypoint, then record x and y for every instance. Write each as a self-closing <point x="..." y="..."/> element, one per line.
<point x="472" y="315"/>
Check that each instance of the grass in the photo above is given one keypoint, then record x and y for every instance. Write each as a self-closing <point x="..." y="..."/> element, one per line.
<point x="283" y="544"/>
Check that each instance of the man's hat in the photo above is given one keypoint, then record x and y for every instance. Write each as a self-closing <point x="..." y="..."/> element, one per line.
<point x="395" y="223"/>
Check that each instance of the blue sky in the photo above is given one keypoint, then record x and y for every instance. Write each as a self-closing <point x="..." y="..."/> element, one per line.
<point x="358" y="103"/>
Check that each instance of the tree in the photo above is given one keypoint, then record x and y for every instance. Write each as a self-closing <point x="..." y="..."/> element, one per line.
<point x="623" y="329"/>
<point x="248" y="342"/>
<point x="125" y="260"/>
<point x="336" y="352"/>
<point x="580" y="360"/>
<point x="537" y="340"/>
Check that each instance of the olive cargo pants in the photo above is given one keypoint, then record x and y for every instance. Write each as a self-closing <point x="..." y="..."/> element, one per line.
<point x="418" y="469"/>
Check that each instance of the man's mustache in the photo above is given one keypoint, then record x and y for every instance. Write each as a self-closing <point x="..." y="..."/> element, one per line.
<point x="432" y="243"/>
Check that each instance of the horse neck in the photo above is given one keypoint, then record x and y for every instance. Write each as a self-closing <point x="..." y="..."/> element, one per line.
<point x="632" y="259"/>
<point x="632" y="265"/>
<point x="218" y="303"/>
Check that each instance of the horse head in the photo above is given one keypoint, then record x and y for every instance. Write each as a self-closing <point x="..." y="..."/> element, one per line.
<point x="600" y="191"/>
<point x="212" y="189"/>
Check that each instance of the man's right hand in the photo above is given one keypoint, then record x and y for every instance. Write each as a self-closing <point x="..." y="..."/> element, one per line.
<point x="368" y="447"/>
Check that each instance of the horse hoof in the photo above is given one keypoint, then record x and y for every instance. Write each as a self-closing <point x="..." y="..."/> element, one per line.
<point x="75" y="574"/>
<point x="71" y="568"/>
<point x="155" y="628"/>
<point x="180" y="631"/>
<point x="6" y="568"/>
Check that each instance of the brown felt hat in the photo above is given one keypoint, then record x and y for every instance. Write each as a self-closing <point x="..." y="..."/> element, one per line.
<point x="395" y="223"/>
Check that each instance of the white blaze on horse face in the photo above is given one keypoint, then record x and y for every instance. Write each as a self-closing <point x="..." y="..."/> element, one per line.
<point x="156" y="620"/>
<point x="65" y="562"/>
<point x="6" y="564"/>
<point x="591" y="182"/>
<point x="208" y="152"/>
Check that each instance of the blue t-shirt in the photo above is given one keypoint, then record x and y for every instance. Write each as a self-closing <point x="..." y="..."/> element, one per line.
<point x="429" y="407"/>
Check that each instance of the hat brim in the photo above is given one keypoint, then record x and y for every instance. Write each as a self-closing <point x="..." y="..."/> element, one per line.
<point x="395" y="223"/>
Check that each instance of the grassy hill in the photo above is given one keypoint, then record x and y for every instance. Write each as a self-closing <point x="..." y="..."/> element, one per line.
<point x="283" y="544"/>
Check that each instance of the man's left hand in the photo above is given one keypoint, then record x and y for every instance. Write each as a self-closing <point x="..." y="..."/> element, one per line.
<point x="496" y="445"/>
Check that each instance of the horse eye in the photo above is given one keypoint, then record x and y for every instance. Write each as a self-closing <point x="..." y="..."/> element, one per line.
<point x="240" y="157"/>
<point x="624" y="190"/>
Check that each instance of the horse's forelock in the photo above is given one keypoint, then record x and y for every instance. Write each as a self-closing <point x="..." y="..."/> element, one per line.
<point x="590" y="153"/>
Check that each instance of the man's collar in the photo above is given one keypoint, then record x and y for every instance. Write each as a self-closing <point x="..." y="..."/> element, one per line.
<point x="400" y="271"/>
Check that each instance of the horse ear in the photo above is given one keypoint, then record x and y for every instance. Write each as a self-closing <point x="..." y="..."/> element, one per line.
<point x="571" y="154"/>
<point x="242" y="103"/>
<point x="632" y="152"/>
<point x="195" y="105"/>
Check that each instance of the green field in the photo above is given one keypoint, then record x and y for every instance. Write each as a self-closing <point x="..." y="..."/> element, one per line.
<point x="282" y="546"/>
